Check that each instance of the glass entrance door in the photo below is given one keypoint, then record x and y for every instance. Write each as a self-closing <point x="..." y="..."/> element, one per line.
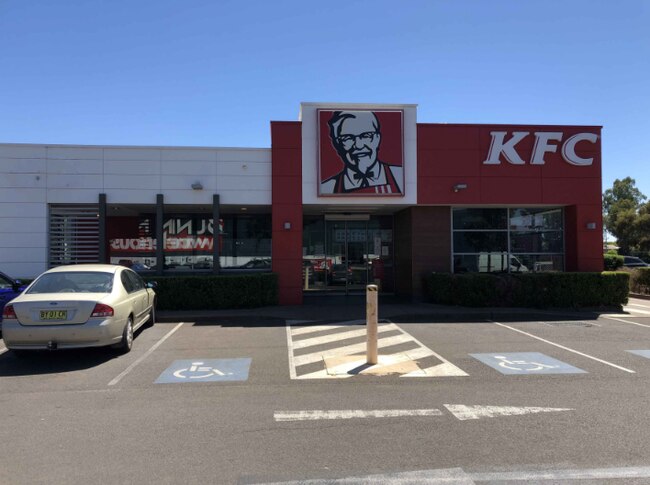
<point x="344" y="255"/>
<point x="347" y="251"/>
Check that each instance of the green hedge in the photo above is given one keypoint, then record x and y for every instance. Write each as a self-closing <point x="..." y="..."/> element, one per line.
<point x="640" y="280"/>
<point x="216" y="292"/>
<point x="613" y="261"/>
<point x="538" y="290"/>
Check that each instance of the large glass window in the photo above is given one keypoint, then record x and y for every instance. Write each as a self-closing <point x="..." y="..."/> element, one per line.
<point x="515" y="240"/>
<point x="188" y="240"/>
<point x="131" y="234"/>
<point x="480" y="219"/>
<point x="246" y="242"/>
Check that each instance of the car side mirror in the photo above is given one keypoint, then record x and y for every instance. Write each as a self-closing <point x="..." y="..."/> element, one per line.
<point x="16" y="285"/>
<point x="152" y="284"/>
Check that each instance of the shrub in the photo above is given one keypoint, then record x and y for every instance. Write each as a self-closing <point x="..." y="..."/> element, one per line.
<point x="476" y="290"/>
<point x="539" y="290"/>
<point x="613" y="261"/>
<point x="640" y="280"/>
<point x="216" y="292"/>
<point x="438" y="287"/>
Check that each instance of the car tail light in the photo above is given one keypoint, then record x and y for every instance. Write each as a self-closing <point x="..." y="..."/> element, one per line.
<point x="9" y="313"/>
<point x="102" y="310"/>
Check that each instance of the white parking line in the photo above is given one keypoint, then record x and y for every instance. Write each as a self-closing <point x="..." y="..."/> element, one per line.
<point x="625" y="321"/>
<point x="563" y="476"/>
<point x="564" y="348"/>
<point x="3" y="349"/>
<point x="145" y="355"/>
<point x="635" y="310"/>
<point x="457" y="476"/>
<point x="638" y="304"/>
<point x="352" y="414"/>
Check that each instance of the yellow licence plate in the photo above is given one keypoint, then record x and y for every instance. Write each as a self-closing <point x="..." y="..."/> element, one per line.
<point x="54" y="314"/>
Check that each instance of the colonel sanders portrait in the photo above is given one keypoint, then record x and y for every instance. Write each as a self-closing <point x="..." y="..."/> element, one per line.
<point x="356" y="137"/>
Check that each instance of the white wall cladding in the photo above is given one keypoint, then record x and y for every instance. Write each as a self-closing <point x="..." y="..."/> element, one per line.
<point x="33" y="176"/>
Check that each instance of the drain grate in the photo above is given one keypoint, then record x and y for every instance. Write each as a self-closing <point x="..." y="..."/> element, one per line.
<point x="571" y="323"/>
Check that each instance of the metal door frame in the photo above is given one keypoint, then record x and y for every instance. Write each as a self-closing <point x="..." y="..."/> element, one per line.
<point x="347" y="218"/>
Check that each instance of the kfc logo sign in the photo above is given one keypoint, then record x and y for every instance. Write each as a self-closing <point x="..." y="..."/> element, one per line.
<point x="360" y="153"/>
<point x="543" y="144"/>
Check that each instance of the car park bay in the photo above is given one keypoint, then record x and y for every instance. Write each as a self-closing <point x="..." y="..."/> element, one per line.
<point x="203" y="427"/>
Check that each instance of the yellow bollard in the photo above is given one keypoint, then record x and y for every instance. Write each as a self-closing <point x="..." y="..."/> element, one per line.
<point x="372" y="292"/>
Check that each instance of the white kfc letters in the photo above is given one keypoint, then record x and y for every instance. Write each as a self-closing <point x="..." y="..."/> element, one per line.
<point x="542" y="146"/>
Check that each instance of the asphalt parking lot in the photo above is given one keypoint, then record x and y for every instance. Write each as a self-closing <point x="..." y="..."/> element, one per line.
<point x="245" y="397"/>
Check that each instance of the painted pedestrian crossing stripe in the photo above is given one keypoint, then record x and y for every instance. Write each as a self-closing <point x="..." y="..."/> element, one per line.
<point x="338" y="350"/>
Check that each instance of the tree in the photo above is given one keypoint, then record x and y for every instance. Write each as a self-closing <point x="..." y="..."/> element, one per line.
<point x="643" y="228"/>
<point x="626" y="216"/>
<point x="622" y="190"/>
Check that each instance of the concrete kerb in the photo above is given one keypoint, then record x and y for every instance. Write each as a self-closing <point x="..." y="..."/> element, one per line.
<point x="398" y="313"/>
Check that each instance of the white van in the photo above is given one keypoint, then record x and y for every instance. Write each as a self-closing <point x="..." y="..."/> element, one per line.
<point x="498" y="262"/>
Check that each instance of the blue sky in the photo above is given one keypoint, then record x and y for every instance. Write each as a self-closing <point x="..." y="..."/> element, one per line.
<point x="215" y="72"/>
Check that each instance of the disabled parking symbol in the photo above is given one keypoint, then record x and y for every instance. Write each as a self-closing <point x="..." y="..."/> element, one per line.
<point x="199" y="371"/>
<point x="522" y="365"/>
<point x="205" y="370"/>
<point x="526" y="363"/>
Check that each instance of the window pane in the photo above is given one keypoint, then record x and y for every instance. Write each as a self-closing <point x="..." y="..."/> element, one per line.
<point x="246" y="242"/>
<point x="536" y="242"/>
<point x="535" y="219"/>
<point x="480" y="218"/>
<point x="476" y="242"/>
<point x="494" y="262"/>
<point x="126" y="282"/>
<point x="132" y="238"/>
<point x="188" y="242"/>
<point x="539" y="262"/>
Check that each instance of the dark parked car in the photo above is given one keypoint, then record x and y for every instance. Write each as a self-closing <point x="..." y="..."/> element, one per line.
<point x="257" y="264"/>
<point x="203" y="264"/>
<point x="634" y="262"/>
<point x="9" y="289"/>
<point x="134" y="265"/>
<point x="340" y="274"/>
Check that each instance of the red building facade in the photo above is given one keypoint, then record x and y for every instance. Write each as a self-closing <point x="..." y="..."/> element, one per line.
<point x="487" y="198"/>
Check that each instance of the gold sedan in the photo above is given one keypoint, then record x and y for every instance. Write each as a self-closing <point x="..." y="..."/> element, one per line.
<point x="85" y="305"/>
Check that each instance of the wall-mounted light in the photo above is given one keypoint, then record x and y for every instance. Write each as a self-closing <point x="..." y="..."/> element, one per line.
<point x="197" y="186"/>
<point x="591" y="225"/>
<point x="287" y="226"/>
<point x="459" y="187"/>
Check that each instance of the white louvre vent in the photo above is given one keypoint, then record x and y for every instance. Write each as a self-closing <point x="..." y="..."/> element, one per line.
<point x="74" y="234"/>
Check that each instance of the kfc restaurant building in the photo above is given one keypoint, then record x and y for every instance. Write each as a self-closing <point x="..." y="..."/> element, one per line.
<point x="348" y="195"/>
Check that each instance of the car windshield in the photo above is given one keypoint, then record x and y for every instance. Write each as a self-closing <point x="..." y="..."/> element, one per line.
<point x="73" y="282"/>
